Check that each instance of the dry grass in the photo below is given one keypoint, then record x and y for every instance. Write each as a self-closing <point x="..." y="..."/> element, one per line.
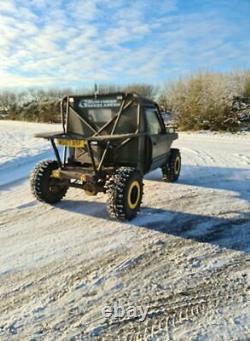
<point x="204" y="100"/>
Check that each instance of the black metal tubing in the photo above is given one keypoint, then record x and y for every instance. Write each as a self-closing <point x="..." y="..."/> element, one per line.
<point x="67" y="115"/>
<point x="127" y="100"/>
<point x="56" y="152"/>
<point x="96" y="132"/>
<point x="161" y="119"/>
<point x="112" y="137"/>
<point x="91" y="156"/>
<point x="112" y="120"/>
<point x="122" y="108"/>
<point x="83" y="120"/>
<point x="141" y="139"/>
<point x="125" y="142"/>
<point x="103" y="156"/>
<point x="65" y="155"/>
<point x="105" y="125"/>
<point x="112" y="133"/>
<point x="118" y="116"/>
<point x="137" y="132"/>
<point x="62" y="113"/>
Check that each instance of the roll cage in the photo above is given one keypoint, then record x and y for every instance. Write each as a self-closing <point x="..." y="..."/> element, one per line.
<point x="92" y="135"/>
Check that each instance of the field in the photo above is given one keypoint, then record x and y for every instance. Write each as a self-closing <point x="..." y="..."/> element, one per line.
<point x="185" y="258"/>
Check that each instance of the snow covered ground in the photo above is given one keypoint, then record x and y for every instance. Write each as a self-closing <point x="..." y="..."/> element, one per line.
<point x="185" y="257"/>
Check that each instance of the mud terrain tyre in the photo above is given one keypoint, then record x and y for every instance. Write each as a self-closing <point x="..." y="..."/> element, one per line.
<point x="43" y="186"/>
<point x="124" y="190"/>
<point x="171" y="172"/>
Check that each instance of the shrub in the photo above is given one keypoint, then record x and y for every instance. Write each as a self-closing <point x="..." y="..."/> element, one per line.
<point x="204" y="100"/>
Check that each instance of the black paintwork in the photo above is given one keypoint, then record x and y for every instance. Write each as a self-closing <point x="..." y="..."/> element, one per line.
<point x="126" y="130"/>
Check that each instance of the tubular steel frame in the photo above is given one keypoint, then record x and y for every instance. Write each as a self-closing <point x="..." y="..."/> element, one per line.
<point x="96" y="133"/>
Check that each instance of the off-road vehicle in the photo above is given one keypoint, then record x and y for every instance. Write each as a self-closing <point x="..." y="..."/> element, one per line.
<point x="109" y="143"/>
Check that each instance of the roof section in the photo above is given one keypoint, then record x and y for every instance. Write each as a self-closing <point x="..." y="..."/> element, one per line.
<point x="130" y="95"/>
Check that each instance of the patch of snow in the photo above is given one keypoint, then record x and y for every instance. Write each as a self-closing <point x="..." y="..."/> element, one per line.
<point x="185" y="256"/>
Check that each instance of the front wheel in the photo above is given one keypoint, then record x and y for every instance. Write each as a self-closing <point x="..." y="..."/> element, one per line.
<point x="124" y="190"/>
<point x="45" y="187"/>
<point x="171" y="171"/>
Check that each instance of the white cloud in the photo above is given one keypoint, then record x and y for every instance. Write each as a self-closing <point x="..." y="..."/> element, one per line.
<point x="43" y="42"/>
<point x="82" y="10"/>
<point x="7" y="6"/>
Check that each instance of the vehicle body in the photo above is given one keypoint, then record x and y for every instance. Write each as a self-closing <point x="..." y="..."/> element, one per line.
<point x="108" y="139"/>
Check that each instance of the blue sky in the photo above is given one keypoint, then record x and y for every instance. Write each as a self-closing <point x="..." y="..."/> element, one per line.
<point x="76" y="43"/>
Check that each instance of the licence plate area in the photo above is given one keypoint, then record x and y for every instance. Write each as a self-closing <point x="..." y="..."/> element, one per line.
<point x="71" y="143"/>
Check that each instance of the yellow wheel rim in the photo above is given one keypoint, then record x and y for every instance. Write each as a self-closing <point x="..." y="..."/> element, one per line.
<point x="177" y="165"/>
<point x="134" y="193"/>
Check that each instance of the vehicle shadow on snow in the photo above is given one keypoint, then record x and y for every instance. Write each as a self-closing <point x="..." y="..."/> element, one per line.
<point x="228" y="233"/>
<point x="231" y="233"/>
<point x="222" y="178"/>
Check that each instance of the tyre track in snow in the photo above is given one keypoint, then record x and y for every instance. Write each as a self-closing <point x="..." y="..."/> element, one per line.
<point x="168" y="312"/>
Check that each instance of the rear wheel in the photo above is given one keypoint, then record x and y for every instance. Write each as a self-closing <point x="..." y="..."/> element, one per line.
<point x="171" y="172"/>
<point x="45" y="187"/>
<point x="124" y="189"/>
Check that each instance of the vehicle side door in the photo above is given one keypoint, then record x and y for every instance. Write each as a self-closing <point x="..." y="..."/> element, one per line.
<point x="157" y="135"/>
